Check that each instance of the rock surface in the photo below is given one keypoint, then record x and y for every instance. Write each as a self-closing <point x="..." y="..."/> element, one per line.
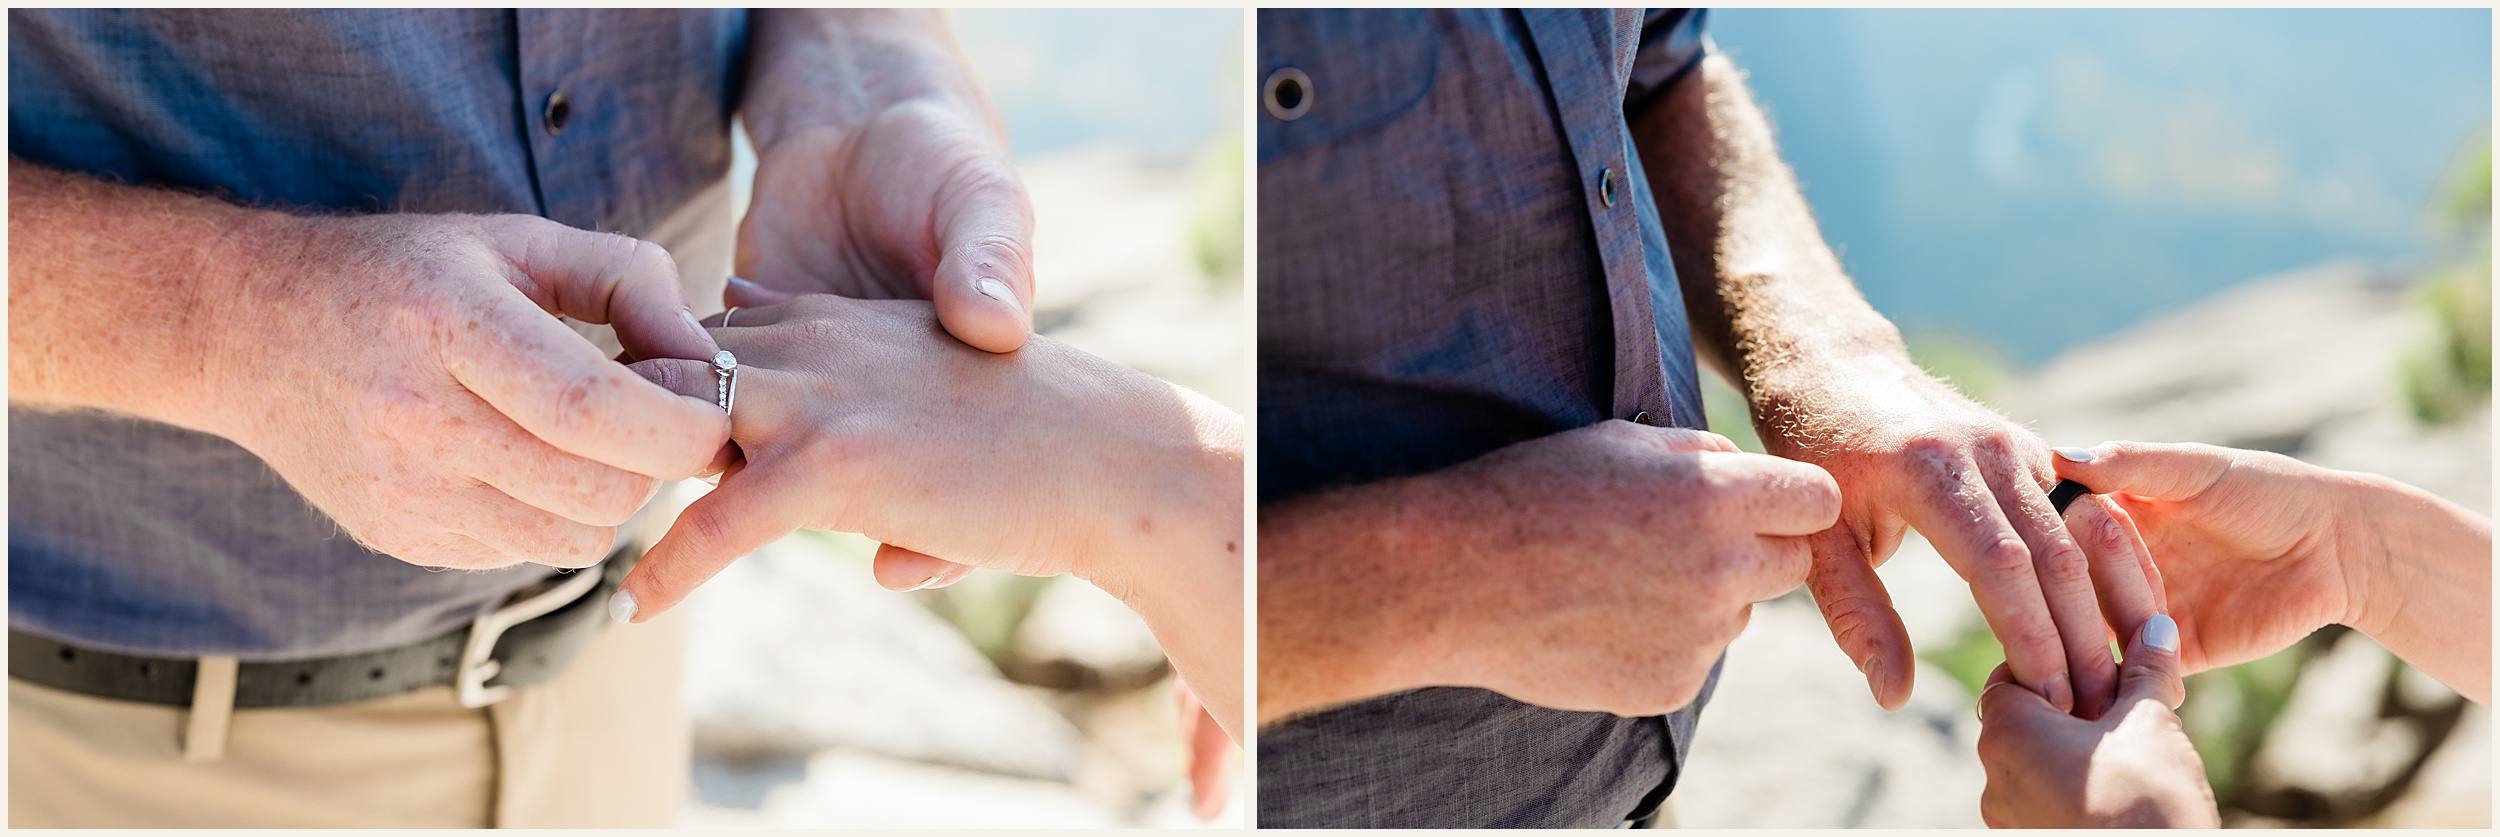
<point x="2304" y="364"/>
<point x="1792" y="739"/>
<point x="790" y="650"/>
<point x="1077" y="637"/>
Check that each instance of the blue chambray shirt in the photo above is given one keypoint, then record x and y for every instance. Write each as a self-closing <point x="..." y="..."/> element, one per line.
<point x="143" y="538"/>
<point x="1458" y="252"/>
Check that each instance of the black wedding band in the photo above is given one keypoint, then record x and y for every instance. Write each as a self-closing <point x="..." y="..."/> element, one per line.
<point x="2065" y="493"/>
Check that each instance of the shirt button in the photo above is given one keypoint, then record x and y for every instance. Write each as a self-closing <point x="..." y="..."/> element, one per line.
<point x="1606" y="186"/>
<point x="1287" y="94"/>
<point x="559" y="111"/>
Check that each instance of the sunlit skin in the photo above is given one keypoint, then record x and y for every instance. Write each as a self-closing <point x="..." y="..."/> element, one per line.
<point x="1597" y="569"/>
<point x="866" y="416"/>
<point x="1831" y="386"/>
<point x="2130" y="768"/>
<point x="406" y="373"/>
<point x="2259" y="549"/>
<point x="1830" y="383"/>
<point x="2249" y="552"/>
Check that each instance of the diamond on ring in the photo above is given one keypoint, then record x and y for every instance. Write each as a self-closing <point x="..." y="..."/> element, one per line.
<point x="725" y="367"/>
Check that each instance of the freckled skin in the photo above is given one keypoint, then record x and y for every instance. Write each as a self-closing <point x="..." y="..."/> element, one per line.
<point x="388" y="366"/>
<point x="1599" y="569"/>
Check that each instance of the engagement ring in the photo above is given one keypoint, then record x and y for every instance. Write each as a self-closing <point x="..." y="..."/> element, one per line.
<point x="725" y="367"/>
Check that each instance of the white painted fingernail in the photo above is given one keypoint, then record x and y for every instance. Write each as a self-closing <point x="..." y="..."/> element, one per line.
<point x="998" y="290"/>
<point x="622" y="607"/>
<point x="2162" y="632"/>
<point x="2074" y="454"/>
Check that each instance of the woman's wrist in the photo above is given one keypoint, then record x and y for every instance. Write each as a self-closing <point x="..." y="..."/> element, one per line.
<point x="1172" y="544"/>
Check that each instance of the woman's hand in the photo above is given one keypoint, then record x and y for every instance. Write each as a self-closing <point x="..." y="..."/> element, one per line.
<point x="2257" y="550"/>
<point x="865" y="416"/>
<point x="2131" y="768"/>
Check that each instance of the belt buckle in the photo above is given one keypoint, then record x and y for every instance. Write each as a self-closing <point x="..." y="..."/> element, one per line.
<point x="476" y="664"/>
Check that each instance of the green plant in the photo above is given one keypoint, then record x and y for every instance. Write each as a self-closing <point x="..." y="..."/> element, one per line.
<point x="2448" y="376"/>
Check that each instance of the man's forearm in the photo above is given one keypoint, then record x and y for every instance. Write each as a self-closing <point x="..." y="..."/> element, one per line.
<point x="115" y="294"/>
<point x="835" y="68"/>
<point x="1763" y="290"/>
<point x="1328" y="566"/>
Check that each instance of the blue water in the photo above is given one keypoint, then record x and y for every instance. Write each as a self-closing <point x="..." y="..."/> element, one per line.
<point x="2039" y="178"/>
<point x="1162" y="81"/>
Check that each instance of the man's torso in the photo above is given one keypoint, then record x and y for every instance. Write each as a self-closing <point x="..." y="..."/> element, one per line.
<point x="143" y="538"/>
<point x="1443" y="273"/>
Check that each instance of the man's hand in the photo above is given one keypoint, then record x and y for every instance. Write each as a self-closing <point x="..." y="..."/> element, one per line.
<point x="881" y="172"/>
<point x="1602" y="568"/>
<point x="1906" y="449"/>
<point x="864" y="416"/>
<point x="405" y="373"/>
<point x="2131" y="768"/>
<point x="1830" y="383"/>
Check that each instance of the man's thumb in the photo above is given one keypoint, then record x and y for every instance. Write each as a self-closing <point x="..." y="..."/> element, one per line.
<point x="984" y="282"/>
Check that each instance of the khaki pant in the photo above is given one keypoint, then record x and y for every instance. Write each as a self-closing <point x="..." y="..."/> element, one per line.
<point x="603" y="744"/>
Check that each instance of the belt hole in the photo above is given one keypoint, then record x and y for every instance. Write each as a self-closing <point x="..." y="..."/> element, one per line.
<point x="68" y="654"/>
<point x="443" y="661"/>
<point x="147" y="670"/>
<point x="303" y="678"/>
<point x="377" y="674"/>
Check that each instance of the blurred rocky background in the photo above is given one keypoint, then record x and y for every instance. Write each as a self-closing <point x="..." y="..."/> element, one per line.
<point x="818" y="699"/>
<point x="2148" y="225"/>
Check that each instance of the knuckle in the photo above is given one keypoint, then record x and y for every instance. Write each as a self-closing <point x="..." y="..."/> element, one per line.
<point x="1934" y="450"/>
<point x="1854" y="623"/>
<point x="2107" y="536"/>
<point x="395" y="413"/>
<point x="648" y="259"/>
<point x="2007" y="556"/>
<point x="2064" y="567"/>
<point x="706" y="529"/>
<point x="616" y="496"/>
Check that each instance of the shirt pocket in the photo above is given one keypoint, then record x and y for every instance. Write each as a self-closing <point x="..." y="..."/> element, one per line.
<point x="1326" y="74"/>
<point x="1356" y="226"/>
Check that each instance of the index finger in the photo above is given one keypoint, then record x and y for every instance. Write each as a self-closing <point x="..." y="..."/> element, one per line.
<point x="607" y="279"/>
<point x="558" y="386"/>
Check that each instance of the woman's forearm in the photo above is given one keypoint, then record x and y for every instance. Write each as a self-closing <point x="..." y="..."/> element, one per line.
<point x="2429" y="600"/>
<point x="1180" y="548"/>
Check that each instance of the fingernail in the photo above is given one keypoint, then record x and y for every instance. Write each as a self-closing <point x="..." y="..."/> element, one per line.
<point x="927" y="583"/>
<point x="697" y="326"/>
<point x="2062" y="693"/>
<point x="742" y="284"/>
<point x="2162" y="632"/>
<point x="946" y="580"/>
<point x="998" y="290"/>
<point x="1874" y="671"/>
<point x="622" y="607"/>
<point x="2074" y="454"/>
